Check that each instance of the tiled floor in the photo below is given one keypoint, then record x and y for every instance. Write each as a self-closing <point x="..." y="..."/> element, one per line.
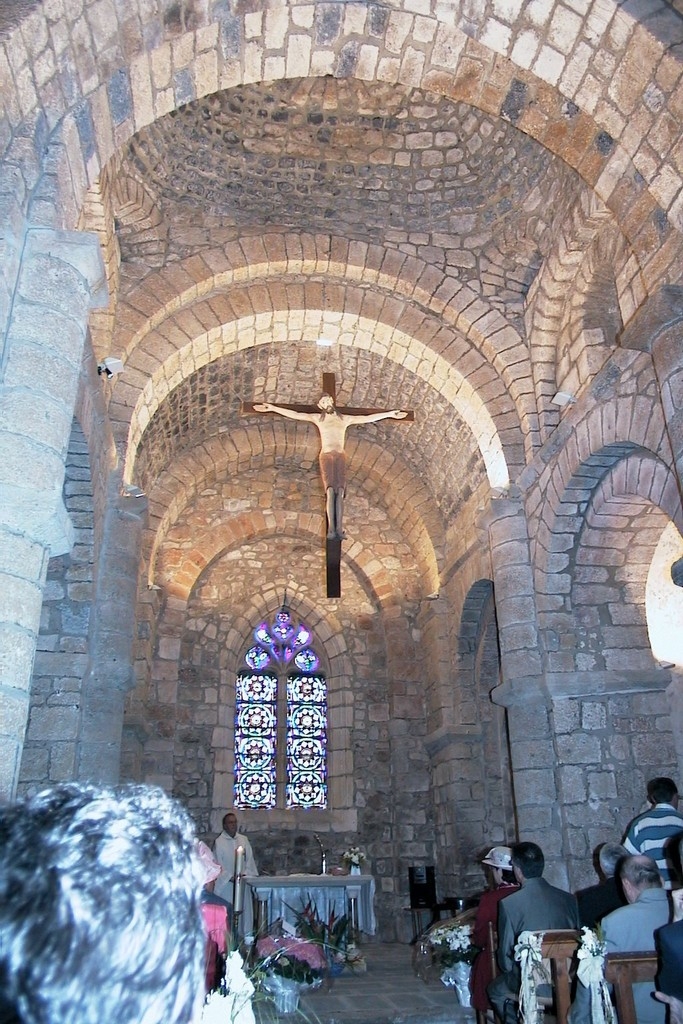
<point x="390" y="992"/>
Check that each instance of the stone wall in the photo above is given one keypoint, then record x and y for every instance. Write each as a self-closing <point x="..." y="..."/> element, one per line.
<point x="607" y="748"/>
<point x="50" y="748"/>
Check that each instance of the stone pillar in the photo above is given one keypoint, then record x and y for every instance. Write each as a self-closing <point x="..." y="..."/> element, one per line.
<point x="523" y="691"/>
<point x="110" y="670"/>
<point x="60" y="278"/>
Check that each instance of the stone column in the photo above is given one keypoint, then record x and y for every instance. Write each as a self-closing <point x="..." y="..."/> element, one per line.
<point x="523" y="691"/>
<point x="110" y="669"/>
<point x="60" y="278"/>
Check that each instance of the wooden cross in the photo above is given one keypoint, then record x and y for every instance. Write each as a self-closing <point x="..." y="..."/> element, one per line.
<point x="332" y="424"/>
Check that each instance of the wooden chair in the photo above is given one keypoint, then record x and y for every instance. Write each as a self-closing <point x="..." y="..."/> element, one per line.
<point x="623" y="970"/>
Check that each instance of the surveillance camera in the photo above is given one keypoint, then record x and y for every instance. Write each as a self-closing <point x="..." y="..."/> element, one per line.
<point x="110" y="367"/>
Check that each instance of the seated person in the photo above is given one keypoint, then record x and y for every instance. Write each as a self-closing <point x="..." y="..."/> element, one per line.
<point x="669" y="941"/>
<point x="99" y="909"/>
<point x="536" y="906"/>
<point x="597" y="901"/>
<point x="502" y="882"/>
<point x="631" y="929"/>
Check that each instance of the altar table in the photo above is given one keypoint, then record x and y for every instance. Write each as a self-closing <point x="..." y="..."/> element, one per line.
<point x="284" y="895"/>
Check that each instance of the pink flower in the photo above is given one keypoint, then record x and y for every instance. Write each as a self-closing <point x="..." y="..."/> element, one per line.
<point x="307" y="952"/>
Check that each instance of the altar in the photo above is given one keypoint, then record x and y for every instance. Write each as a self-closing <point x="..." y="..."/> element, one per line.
<point x="282" y="896"/>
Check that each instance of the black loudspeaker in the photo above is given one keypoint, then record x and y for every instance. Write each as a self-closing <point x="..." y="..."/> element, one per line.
<point x="422" y="886"/>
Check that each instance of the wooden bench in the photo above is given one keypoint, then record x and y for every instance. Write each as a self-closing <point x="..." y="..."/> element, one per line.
<point x="623" y="971"/>
<point x="558" y="949"/>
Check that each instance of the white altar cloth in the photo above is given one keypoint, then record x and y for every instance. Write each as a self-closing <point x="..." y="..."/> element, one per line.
<point x="287" y="894"/>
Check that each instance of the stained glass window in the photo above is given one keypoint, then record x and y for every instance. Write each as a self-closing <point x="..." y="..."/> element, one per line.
<point x="281" y="719"/>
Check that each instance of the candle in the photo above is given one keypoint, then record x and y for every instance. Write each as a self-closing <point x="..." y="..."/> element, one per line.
<point x="238" y="884"/>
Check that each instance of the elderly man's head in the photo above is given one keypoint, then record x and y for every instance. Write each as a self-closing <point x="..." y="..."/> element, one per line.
<point x="638" y="874"/>
<point x="610" y="855"/>
<point x="99" y="909"/>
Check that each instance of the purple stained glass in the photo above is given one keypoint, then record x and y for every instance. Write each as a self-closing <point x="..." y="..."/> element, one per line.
<point x="255" y="789"/>
<point x="282" y="626"/>
<point x="255" y="739"/>
<point x="306" y="660"/>
<point x="309" y="689"/>
<point x="306" y="741"/>
<point x="305" y="723"/>
<point x="262" y="635"/>
<point x="256" y="686"/>
<point x="302" y="637"/>
<point x="257" y="657"/>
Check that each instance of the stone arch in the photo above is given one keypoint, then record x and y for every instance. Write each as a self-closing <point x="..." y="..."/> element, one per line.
<point x="438" y="54"/>
<point x="221" y="456"/>
<point x="166" y="703"/>
<point x="252" y="525"/>
<point x="627" y="417"/>
<point x="547" y="307"/>
<point x="595" y="582"/>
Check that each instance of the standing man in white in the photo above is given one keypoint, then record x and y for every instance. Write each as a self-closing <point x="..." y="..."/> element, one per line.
<point x="224" y="850"/>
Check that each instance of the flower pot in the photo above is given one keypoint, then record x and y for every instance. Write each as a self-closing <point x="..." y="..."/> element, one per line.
<point x="285" y="993"/>
<point x="457" y="977"/>
<point x="287" y="1000"/>
<point x="354" y="869"/>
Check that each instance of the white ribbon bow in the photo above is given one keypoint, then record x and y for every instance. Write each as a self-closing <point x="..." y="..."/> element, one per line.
<point x="532" y="971"/>
<point x="591" y="973"/>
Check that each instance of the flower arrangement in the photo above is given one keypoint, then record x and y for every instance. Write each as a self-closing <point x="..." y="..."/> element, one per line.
<point x="452" y="944"/>
<point x="330" y="935"/>
<point x="353" y="857"/>
<point x="591" y="974"/>
<point x="291" y="957"/>
<point x="231" y="1003"/>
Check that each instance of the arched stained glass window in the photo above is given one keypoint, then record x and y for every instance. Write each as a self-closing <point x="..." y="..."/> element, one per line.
<point x="281" y="720"/>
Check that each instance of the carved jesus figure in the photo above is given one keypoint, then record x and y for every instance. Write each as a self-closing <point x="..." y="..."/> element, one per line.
<point x="332" y="427"/>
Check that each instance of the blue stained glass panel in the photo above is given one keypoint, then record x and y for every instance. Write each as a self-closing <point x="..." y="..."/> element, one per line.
<point x="306" y="741"/>
<point x="256" y="686"/>
<point x="309" y="689"/>
<point x="255" y="740"/>
<point x="256" y="720"/>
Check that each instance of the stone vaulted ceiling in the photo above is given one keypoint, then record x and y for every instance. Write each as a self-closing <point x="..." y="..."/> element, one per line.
<point x="405" y="169"/>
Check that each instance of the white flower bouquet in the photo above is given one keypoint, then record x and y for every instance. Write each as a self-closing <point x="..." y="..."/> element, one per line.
<point x="353" y="857"/>
<point x="452" y="944"/>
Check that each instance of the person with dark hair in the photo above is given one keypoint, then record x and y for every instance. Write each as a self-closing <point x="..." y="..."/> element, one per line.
<point x="669" y="943"/>
<point x="537" y="906"/>
<point x="632" y="927"/>
<point x="652" y="831"/>
<point x="597" y="901"/>
<point x="99" y="909"/>
<point x="503" y="883"/>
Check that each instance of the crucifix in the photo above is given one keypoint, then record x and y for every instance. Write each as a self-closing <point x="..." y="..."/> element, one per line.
<point x="332" y="424"/>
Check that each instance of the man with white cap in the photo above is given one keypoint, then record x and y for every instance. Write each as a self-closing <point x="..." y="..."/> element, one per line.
<point x="498" y="861"/>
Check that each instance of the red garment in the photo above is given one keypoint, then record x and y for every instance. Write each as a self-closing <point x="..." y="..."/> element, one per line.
<point x="487" y="911"/>
<point x="216" y="928"/>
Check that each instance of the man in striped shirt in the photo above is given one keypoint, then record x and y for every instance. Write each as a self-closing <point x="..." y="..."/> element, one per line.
<point x="650" y="833"/>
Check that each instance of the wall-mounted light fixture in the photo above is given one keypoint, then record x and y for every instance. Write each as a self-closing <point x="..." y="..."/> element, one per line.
<point x="110" y="367"/>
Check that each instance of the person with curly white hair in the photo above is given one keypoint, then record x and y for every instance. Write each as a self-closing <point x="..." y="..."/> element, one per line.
<point x="100" y="909"/>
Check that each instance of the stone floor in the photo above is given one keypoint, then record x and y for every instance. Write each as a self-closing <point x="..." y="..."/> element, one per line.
<point x="390" y="992"/>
